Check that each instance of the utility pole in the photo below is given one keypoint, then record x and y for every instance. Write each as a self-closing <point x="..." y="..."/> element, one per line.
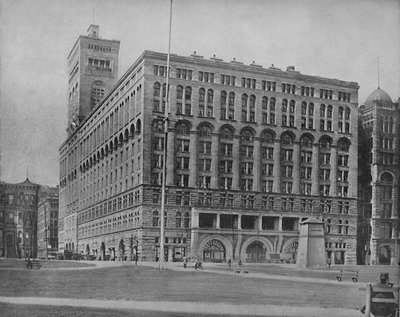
<point x="161" y="260"/>
<point x="45" y="229"/>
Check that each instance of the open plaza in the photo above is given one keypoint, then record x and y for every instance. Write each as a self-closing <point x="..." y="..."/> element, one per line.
<point x="105" y="288"/>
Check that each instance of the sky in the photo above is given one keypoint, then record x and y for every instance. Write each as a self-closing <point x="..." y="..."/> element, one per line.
<point x="328" y="38"/>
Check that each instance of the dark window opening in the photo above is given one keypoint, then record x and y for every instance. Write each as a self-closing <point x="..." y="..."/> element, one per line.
<point x="207" y="220"/>
<point x="228" y="221"/>
<point x="249" y="222"/>
<point x="270" y="223"/>
<point x="290" y="224"/>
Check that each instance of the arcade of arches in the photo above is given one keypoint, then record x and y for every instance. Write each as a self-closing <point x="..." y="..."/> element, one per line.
<point x="220" y="248"/>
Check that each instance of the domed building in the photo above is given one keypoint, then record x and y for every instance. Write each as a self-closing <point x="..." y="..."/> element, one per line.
<point x="379" y="173"/>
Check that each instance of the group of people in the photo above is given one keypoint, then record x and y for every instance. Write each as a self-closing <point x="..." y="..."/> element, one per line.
<point x="197" y="264"/>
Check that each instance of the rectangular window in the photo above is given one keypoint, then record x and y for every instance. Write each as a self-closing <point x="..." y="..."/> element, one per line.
<point x="205" y="147"/>
<point x="227" y="149"/>
<point x="206" y="77"/>
<point x="182" y="73"/>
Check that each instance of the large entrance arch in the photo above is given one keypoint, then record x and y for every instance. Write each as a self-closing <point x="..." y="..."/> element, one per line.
<point x="214" y="251"/>
<point x="256" y="249"/>
<point x="255" y="252"/>
<point x="290" y="250"/>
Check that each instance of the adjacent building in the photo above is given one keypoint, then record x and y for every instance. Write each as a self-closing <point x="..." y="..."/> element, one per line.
<point x="47" y="223"/>
<point x="251" y="152"/>
<point x="18" y="219"/>
<point x="379" y="177"/>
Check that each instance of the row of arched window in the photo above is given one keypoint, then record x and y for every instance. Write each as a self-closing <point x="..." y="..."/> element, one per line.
<point x="112" y="145"/>
<point x="248" y="107"/>
<point x="206" y="130"/>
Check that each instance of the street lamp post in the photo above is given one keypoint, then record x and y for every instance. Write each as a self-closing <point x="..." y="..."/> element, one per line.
<point x="161" y="259"/>
<point x="45" y="231"/>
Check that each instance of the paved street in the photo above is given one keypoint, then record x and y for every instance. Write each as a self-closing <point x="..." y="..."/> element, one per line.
<point x="266" y="290"/>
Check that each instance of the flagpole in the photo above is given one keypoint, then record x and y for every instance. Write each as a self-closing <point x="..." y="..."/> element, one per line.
<point x="161" y="260"/>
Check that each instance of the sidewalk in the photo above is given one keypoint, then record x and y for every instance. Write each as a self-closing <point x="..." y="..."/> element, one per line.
<point x="205" y="308"/>
<point x="177" y="266"/>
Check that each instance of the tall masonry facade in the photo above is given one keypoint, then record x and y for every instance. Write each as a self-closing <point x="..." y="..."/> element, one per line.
<point x="251" y="152"/>
<point x="379" y="184"/>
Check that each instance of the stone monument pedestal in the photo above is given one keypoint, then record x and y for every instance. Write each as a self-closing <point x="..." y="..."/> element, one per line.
<point x="311" y="251"/>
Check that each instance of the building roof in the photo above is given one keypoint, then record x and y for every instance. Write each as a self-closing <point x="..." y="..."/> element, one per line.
<point x="378" y="96"/>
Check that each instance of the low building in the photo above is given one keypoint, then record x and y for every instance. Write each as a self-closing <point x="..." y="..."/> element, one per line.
<point x="18" y="219"/>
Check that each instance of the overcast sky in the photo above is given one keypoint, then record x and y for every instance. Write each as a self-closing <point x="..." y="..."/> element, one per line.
<point x="334" y="39"/>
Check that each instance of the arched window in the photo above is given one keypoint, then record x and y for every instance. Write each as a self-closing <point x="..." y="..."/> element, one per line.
<point x="244" y="107"/>
<point x="325" y="142"/>
<point x="272" y="103"/>
<point x="186" y="220"/>
<point x="284" y="105"/>
<point x="310" y="109"/>
<point x="204" y="131"/>
<point x="340" y="222"/>
<point x="328" y="225"/>
<point x="223" y="98"/>
<point x="188" y="93"/>
<point x="226" y="133"/>
<point x="182" y="128"/>
<point x="267" y="137"/>
<point x="188" y="101"/>
<point x="155" y="218"/>
<point x="306" y="141"/>
<point x="210" y="96"/>
<point x="386" y="178"/>
<point x="329" y="111"/>
<point x="344" y="144"/>
<point x="202" y="94"/>
<point x="210" y="100"/>
<point x="287" y="139"/>
<point x="158" y="126"/>
<point x="231" y="99"/>
<point x="304" y="108"/>
<point x="179" y="92"/>
<point x="178" y="219"/>
<point x="292" y="106"/>
<point x="264" y="103"/>
<point x="252" y="101"/>
<point x="322" y="109"/>
<point x="247" y="135"/>
<point x="346" y="227"/>
<point x="223" y="111"/>
<point x="244" y="101"/>
<point x="347" y="116"/>
<point x="156" y="89"/>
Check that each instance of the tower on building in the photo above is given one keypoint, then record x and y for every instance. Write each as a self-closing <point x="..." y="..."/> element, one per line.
<point x="380" y="173"/>
<point x="93" y="70"/>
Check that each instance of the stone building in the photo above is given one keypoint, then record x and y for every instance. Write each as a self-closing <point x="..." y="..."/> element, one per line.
<point x="47" y="222"/>
<point x="379" y="180"/>
<point x="251" y="152"/>
<point x="18" y="219"/>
